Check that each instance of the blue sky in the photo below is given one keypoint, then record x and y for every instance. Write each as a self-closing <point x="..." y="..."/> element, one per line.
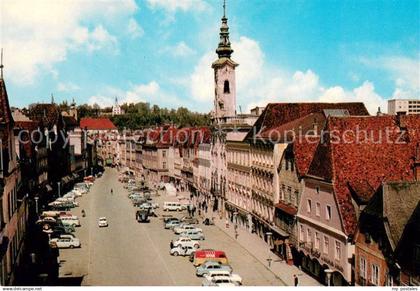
<point x="160" y="51"/>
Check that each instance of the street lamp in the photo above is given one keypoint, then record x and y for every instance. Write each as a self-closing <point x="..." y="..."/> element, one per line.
<point x="59" y="190"/>
<point x="269" y="260"/>
<point x="235" y="221"/>
<point x="36" y="205"/>
<point x="328" y="272"/>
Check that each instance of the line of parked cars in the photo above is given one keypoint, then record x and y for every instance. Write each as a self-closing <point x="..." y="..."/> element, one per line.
<point x="59" y="222"/>
<point x="210" y="264"/>
<point x="141" y="197"/>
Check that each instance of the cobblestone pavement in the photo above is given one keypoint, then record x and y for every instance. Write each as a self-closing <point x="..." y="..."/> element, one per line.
<point x="129" y="253"/>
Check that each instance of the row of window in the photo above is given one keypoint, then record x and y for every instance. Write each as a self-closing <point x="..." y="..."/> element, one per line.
<point x="328" y="210"/>
<point x="306" y="237"/>
<point x="374" y="272"/>
<point x="289" y="195"/>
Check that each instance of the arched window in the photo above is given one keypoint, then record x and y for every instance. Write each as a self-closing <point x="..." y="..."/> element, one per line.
<point x="226" y="88"/>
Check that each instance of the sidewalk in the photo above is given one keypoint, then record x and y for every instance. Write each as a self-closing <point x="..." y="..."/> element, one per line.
<point x="259" y="249"/>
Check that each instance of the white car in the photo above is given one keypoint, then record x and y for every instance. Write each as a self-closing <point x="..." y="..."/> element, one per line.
<point x="102" y="222"/>
<point x="220" y="281"/>
<point x="184" y="242"/>
<point x="183" y="227"/>
<point x="225" y="273"/>
<point x="71" y="220"/>
<point x="66" y="242"/>
<point x="182" y="250"/>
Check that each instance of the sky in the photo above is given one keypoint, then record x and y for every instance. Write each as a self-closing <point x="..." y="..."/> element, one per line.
<point x="160" y="51"/>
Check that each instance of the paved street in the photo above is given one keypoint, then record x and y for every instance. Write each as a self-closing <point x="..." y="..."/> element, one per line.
<point x="131" y="253"/>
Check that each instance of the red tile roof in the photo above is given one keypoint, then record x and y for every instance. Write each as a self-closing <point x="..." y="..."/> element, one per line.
<point x="303" y="134"/>
<point x="277" y="114"/>
<point x="5" y="112"/>
<point x="357" y="168"/>
<point x="97" y="124"/>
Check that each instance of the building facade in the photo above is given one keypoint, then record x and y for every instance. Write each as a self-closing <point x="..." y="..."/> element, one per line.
<point x="405" y="106"/>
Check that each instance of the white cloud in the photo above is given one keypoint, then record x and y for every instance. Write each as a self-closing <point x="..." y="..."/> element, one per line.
<point x="67" y="87"/>
<point x="149" y="92"/>
<point x="258" y="83"/>
<point x="404" y="71"/>
<point x="174" y="5"/>
<point x="170" y="7"/>
<point x="181" y="49"/>
<point x="134" y="29"/>
<point x="36" y="35"/>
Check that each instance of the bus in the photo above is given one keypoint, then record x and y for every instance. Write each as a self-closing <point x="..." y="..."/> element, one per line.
<point x="201" y="256"/>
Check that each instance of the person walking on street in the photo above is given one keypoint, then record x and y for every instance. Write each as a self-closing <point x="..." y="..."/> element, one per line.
<point x="296" y="280"/>
<point x="112" y="191"/>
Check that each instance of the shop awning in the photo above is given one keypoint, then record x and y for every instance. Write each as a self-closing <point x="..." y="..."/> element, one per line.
<point x="287" y="208"/>
<point x="279" y="231"/>
<point x="66" y="179"/>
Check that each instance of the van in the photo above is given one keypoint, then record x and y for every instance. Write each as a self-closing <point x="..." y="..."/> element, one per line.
<point x="172" y="206"/>
<point x="201" y="256"/>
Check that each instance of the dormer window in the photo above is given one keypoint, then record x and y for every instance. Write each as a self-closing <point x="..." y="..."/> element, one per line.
<point x="226" y="88"/>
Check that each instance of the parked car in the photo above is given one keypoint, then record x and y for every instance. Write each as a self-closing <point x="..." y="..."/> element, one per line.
<point x="182" y="250"/>
<point x="205" y="268"/>
<point x="171" y="224"/>
<point x="233" y="277"/>
<point x="168" y="218"/>
<point x="193" y="234"/>
<point x="46" y="220"/>
<point x="183" y="227"/>
<point x="189" y="219"/>
<point x="184" y="241"/>
<point x="220" y="281"/>
<point x="102" y="222"/>
<point x="172" y="206"/>
<point x="70" y="220"/>
<point x="63" y="229"/>
<point x="66" y="242"/>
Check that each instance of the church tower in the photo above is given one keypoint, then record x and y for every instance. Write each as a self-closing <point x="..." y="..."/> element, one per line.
<point x="224" y="77"/>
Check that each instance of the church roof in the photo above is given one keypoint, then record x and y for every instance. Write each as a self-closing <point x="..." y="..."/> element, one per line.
<point x="97" y="124"/>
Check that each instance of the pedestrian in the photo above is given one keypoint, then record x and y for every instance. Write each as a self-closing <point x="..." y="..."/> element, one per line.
<point x="112" y="191"/>
<point x="206" y="208"/>
<point x="296" y="280"/>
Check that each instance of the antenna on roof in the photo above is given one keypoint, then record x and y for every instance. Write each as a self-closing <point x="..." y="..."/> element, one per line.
<point x="1" y="64"/>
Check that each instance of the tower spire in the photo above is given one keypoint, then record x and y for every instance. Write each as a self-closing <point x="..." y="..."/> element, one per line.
<point x="224" y="50"/>
<point x="52" y="98"/>
<point x="1" y="64"/>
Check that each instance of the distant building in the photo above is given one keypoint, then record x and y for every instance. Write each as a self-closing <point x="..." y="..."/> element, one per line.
<point x="116" y="108"/>
<point x="98" y="125"/>
<point x="405" y="106"/>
